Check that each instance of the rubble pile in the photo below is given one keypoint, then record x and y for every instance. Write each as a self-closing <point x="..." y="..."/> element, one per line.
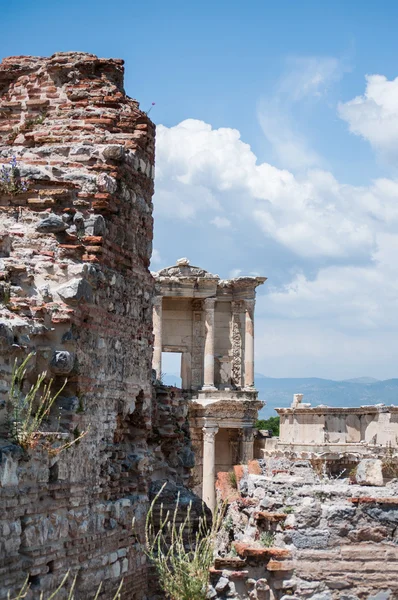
<point x="295" y="533"/>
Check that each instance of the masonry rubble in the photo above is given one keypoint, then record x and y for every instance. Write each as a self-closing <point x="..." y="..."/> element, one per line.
<point x="75" y="288"/>
<point x="294" y="532"/>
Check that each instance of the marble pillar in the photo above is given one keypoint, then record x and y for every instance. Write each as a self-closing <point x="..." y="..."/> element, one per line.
<point x="209" y="466"/>
<point x="157" y="332"/>
<point x="246" y="445"/>
<point x="208" y="379"/>
<point x="249" y="344"/>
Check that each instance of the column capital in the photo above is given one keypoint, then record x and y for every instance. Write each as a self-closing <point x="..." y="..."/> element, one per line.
<point x="197" y="305"/>
<point x="247" y="432"/>
<point x="209" y="302"/>
<point x="237" y="306"/>
<point x="209" y="433"/>
<point x="249" y="304"/>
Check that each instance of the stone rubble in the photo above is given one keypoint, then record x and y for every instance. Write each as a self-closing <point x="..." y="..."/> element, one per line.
<point x="294" y="533"/>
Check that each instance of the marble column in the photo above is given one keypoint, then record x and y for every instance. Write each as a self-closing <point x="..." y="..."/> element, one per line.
<point x="236" y="367"/>
<point x="157" y="332"/>
<point x="208" y="379"/>
<point x="249" y="344"/>
<point x="246" y="445"/>
<point x="209" y="466"/>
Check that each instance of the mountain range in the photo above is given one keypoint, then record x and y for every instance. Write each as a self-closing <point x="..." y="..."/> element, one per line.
<point x="278" y="393"/>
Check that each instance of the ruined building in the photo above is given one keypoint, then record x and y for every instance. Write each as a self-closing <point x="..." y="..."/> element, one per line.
<point x="75" y="244"/>
<point x="210" y="322"/>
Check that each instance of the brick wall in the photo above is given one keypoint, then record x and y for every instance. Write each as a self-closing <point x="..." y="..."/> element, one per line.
<point x="75" y="288"/>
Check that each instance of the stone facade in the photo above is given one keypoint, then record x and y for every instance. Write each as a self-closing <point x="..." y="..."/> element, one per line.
<point x="210" y="322"/>
<point x="304" y="425"/>
<point x="75" y="245"/>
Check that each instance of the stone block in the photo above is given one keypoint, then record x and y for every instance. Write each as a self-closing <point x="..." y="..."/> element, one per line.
<point x="369" y="472"/>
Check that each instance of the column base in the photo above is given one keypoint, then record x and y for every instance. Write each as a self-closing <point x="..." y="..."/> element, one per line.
<point x="208" y="388"/>
<point x="249" y="388"/>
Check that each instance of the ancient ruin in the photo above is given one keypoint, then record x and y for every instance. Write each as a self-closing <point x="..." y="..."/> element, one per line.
<point x="315" y="517"/>
<point x="210" y="322"/>
<point x="75" y="246"/>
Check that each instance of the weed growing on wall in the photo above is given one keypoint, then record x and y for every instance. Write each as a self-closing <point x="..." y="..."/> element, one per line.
<point x="28" y="411"/>
<point x="267" y="539"/>
<point x="182" y="558"/>
<point x="11" y="182"/>
<point x="61" y="591"/>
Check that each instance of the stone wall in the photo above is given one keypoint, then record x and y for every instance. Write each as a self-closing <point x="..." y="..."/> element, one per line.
<point x="374" y="425"/>
<point x="75" y="246"/>
<point x="291" y="532"/>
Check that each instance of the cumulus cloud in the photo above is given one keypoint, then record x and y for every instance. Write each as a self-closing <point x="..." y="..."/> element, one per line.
<point x="374" y="115"/>
<point x="209" y="171"/>
<point x="329" y="307"/>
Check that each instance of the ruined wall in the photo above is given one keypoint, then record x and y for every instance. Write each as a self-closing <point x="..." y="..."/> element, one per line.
<point x="75" y="245"/>
<point x="375" y="425"/>
<point x="290" y="532"/>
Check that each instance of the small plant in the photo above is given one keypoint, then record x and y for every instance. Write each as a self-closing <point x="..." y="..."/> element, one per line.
<point x="181" y="558"/>
<point x="233" y="482"/>
<point x="233" y="552"/>
<point x="150" y="108"/>
<point x="60" y="591"/>
<point x="77" y="437"/>
<point x="321" y="495"/>
<point x="24" y="422"/>
<point x="267" y="539"/>
<point x="228" y="524"/>
<point x="30" y="123"/>
<point x="288" y="510"/>
<point x="10" y="179"/>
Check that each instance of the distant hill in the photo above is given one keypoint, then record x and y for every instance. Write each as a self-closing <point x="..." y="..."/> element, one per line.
<point x="278" y="393"/>
<point x="362" y="380"/>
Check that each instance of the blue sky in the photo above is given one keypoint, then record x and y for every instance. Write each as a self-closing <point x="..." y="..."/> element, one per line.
<point x="275" y="155"/>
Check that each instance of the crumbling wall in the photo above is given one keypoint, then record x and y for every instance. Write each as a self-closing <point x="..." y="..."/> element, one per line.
<point x="75" y="245"/>
<point x="291" y="531"/>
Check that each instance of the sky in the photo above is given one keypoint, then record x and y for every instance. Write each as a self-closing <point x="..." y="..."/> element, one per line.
<point x="277" y="147"/>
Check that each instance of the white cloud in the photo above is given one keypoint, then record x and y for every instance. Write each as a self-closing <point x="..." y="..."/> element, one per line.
<point x="209" y="171"/>
<point x="374" y="115"/>
<point x="221" y="222"/>
<point x="336" y="316"/>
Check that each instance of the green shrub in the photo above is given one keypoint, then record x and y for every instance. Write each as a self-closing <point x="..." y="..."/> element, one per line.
<point x="272" y="423"/>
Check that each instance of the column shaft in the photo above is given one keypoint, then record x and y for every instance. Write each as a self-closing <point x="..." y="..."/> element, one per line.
<point x="157" y="332"/>
<point x="209" y="466"/>
<point x="208" y="379"/>
<point x="249" y="344"/>
<point x="247" y="443"/>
